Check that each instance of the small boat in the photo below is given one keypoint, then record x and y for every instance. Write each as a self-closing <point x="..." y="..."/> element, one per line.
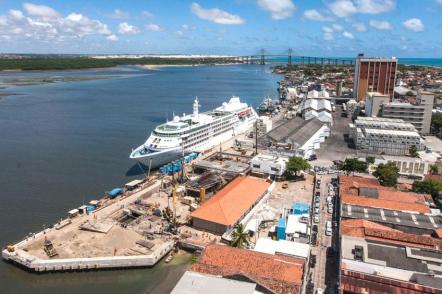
<point x="267" y="105"/>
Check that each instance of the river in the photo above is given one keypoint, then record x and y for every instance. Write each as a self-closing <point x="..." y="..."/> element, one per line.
<point x="63" y="144"/>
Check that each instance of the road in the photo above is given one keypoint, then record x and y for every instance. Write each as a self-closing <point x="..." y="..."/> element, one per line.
<point x="325" y="273"/>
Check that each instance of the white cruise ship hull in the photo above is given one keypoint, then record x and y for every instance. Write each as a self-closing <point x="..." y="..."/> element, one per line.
<point x="156" y="159"/>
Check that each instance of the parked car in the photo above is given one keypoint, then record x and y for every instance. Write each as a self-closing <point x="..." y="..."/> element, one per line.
<point x="312" y="260"/>
<point x="319" y="291"/>
<point x="316" y="218"/>
<point x="315" y="228"/>
<point x="316" y="210"/>
<point x="314" y="239"/>
<point x="316" y="204"/>
<point x="317" y="193"/>
<point x="328" y="231"/>
<point x="330" y="209"/>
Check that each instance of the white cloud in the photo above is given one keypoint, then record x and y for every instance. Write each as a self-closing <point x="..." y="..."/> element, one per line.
<point x="360" y="27"/>
<point x="118" y="14"/>
<point x="337" y="27"/>
<point x="328" y="36"/>
<point x="315" y="15"/>
<point x="343" y="8"/>
<point x="126" y="29"/>
<point x="348" y="35"/>
<point x="112" y="38"/>
<point x="327" y="29"/>
<point x="375" y="6"/>
<point x="216" y="15"/>
<point x="179" y="33"/>
<point x="154" y="27"/>
<point x="147" y="14"/>
<point x="414" y="24"/>
<point x="439" y="1"/>
<point x="43" y="23"/>
<point x="380" y="24"/>
<point x="279" y="9"/>
<point x="346" y="8"/>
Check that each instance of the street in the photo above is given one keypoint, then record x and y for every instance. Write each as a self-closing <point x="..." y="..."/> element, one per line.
<point x="325" y="273"/>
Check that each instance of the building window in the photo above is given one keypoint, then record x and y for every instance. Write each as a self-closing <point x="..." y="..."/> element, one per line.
<point x="359" y="253"/>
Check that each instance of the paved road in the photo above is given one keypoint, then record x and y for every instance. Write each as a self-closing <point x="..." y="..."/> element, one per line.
<point x="324" y="274"/>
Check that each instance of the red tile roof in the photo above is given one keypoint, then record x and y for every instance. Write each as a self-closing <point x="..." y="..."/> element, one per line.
<point x="281" y="274"/>
<point x="355" y="282"/>
<point x="233" y="201"/>
<point x="387" y="197"/>
<point x="373" y="231"/>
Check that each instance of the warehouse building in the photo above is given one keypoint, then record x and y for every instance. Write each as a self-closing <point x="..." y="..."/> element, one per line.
<point x="229" y="206"/>
<point x="386" y="136"/>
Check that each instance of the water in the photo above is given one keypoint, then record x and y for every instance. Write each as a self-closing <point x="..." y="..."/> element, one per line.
<point x="64" y="144"/>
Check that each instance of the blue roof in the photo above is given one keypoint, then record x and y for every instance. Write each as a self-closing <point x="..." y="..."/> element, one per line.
<point x="115" y="192"/>
<point x="281" y="222"/>
<point x="300" y="206"/>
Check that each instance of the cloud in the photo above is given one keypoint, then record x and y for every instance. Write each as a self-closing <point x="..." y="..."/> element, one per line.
<point x="126" y="29"/>
<point x="343" y="8"/>
<point x="414" y="24"/>
<point x="337" y="27"/>
<point x="315" y="15"/>
<point x="147" y="14"/>
<point x="439" y="1"/>
<point x="346" y="8"/>
<point x="328" y="36"/>
<point x="360" y="27"/>
<point x="40" y="10"/>
<point x="179" y="33"/>
<point x="43" y="23"/>
<point x="216" y="15"/>
<point x="327" y="29"/>
<point x="380" y="24"/>
<point x="154" y="27"/>
<point x="118" y="14"/>
<point x="279" y="9"/>
<point x="112" y="38"/>
<point x="348" y="35"/>
<point x="375" y="6"/>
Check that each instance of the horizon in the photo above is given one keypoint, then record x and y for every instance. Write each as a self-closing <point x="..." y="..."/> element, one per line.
<point x="334" y="28"/>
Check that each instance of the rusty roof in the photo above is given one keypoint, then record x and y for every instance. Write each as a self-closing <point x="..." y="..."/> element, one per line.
<point x="280" y="274"/>
<point x="233" y="201"/>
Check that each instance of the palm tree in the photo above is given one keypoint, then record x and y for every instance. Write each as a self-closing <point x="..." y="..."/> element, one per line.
<point x="240" y="238"/>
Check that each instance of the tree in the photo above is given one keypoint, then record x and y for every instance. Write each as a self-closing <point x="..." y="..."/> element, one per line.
<point x="354" y="165"/>
<point x="296" y="164"/>
<point x="387" y="174"/>
<point x="413" y="151"/>
<point x="434" y="169"/>
<point x="240" y="238"/>
<point x="429" y="186"/>
<point x="370" y="159"/>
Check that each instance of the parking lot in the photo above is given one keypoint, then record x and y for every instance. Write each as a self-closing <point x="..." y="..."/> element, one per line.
<point x="335" y="147"/>
<point x="324" y="274"/>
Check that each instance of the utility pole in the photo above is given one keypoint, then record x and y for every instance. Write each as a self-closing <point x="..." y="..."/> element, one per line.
<point x="290" y="57"/>
<point x="256" y="137"/>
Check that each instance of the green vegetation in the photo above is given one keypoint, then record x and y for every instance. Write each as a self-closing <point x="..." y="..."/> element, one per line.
<point x="413" y="151"/>
<point x="429" y="186"/>
<point x="434" y="169"/>
<point x="354" y="165"/>
<point x="60" y="63"/>
<point x="370" y="159"/>
<point x="240" y="238"/>
<point x="296" y="164"/>
<point x="387" y="174"/>
<point x="436" y="125"/>
<point x="314" y="70"/>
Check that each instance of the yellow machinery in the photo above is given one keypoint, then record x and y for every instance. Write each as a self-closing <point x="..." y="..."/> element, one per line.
<point x="10" y="248"/>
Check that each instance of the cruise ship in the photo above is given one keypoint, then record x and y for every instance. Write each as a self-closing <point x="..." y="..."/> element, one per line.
<point x="196" y="132"/>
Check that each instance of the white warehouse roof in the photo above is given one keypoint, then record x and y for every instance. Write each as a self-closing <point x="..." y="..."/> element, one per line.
<point x="270" y="246"/>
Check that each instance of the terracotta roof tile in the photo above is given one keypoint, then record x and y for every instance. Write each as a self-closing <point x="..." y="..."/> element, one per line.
<point x="233" y="201"/>
<point x="387" y="204"/>
<point x="281" y="274"/>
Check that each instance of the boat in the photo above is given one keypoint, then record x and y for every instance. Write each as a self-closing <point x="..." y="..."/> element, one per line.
<point x="196" y="132"/>
<point x="267" y="105"/>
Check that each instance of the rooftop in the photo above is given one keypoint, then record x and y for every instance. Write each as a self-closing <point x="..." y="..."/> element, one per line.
<point x="280" y="274"/>
<point x="233" y="201"/>
<point x="296" y="129"/>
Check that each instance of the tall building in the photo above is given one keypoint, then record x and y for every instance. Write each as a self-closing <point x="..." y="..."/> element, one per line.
<point x="374" y="74"/>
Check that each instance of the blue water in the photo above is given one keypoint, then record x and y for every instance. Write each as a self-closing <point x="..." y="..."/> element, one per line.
<point x="64" y="144"/>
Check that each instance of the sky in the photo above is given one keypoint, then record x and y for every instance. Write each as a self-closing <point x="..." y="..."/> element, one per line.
<point x="342" y="28"/>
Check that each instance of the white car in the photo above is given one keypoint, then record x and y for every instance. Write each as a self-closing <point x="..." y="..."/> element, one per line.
<point x="330" y="209"/>
<point x="328" y="224"/>
<point x="316" y="210"/>
<point x="319" y="291"/>
<point x="328" y="231"/>
<point x="316" y="219"/>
